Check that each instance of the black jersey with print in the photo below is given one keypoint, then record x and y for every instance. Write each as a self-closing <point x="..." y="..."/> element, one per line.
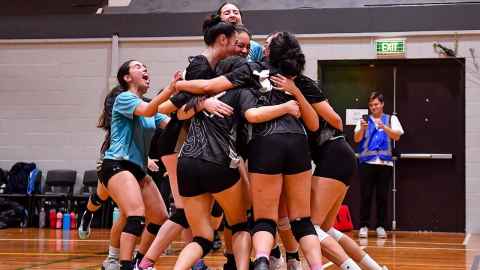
<point x="248" y="74"/>
<point x="212" y="138"/>
<point x="314" y="94"/>
<point x="198" y="68"/>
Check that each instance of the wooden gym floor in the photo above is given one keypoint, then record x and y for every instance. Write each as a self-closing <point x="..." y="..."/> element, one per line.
<point x="57" y="249"/>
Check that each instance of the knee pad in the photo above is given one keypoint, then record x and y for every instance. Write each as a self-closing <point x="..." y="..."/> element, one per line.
<point x="134" y="225"/>
<point x="153" y="228"/>
<point x="302" y="227"/>
<point x="206" y="244"/>
<point x="284" y="224"/>
<point x="180" y="218"/>
<point x="239" y="227"/>
<point x="336" y="234"/>
<point x="217" y="210"/>
<point x="95" y="199"/>
<point x="266" y="225"/>
<point x="322" y="235"/>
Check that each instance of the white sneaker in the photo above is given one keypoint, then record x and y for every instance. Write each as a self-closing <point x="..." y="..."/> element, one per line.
<point x="384" y="267"/>
<point x="381" y="233"/>
<point x="363" y="232"/>
<point x="293" y="264"/>
<point x="276" y="263"/>
<point x="111" y="264"/>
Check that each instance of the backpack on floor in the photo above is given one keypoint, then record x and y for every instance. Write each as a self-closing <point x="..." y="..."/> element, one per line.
<point x="19" y="177"/>
<point x="344" y="221"/>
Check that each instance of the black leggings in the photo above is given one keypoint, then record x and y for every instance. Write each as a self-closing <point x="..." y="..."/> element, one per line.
<point x="374" y="177"/>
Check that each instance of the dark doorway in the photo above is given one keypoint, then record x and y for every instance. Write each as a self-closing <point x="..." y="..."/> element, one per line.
<point x="428" y="96"/>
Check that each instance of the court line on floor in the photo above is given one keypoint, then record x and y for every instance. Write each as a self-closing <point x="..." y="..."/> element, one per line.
<point x="54" y="239"/>
<point x="425" y="248"/>
<point x="53" y="254"/>
<point x="52" y="262"/>
<point x="410" y="242"/>
<point x="467" y="238"/>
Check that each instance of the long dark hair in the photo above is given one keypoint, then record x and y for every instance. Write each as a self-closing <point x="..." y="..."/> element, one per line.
<point x="122" y="71"/>
<point x="213" y="27"/>
<point x="105" y="119"/>
<point x="286" y="54"/>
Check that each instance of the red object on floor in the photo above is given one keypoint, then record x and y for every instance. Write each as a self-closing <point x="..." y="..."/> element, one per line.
<point x="344" y="220"/>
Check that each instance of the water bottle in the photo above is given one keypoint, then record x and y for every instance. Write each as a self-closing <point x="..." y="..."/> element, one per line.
<point x="115" y="214"/>
<point x="52" y="218"/>
<point x="59" y="220"/>
<point x="66" y="221"/>
<point x="41" y="218"/>
<point x="73" y="220"/>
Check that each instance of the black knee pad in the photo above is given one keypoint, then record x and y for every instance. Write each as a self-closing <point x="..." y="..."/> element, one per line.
<point x="239" y="227"/>
<point x="302" y="227"/>
<point x="217" y="210"/>
<point x="134" y="225"/>
<point x="180" y="218"/>
<point x="206" y="244"/>
<point x="95" y="199"/>
<point x="153" y="228"/>
<point x="266" y="225"/>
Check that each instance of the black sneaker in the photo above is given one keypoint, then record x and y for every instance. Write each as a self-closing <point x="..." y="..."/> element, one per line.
<point x="229" y="266"/>
<point x="261" y="264"/>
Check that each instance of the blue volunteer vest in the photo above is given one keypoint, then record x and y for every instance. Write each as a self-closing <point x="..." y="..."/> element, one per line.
<point x="375" y="143"/>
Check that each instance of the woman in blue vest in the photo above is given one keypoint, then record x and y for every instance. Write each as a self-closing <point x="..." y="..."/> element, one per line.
<point x="374" y="136"/>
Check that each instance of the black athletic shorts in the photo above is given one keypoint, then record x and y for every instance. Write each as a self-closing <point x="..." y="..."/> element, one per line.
<point x="284" y="153"/>
<point x="110" y="167"/>
<point x="168" y="140"/>
<point x="335" y="159"/>
<point x="196" y="177"/>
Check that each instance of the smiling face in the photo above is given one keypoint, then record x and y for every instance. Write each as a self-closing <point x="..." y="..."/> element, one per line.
<point x="242" y="44"/>
<point x="376" y="107"/>
<point x="138" y="77"/>
<point x="230" y="13"/>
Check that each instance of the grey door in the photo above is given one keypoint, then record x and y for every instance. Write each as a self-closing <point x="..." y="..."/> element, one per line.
<point x="428" y="96"/>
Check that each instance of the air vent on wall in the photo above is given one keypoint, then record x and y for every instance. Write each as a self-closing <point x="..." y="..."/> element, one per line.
<point x="119" y="3"/>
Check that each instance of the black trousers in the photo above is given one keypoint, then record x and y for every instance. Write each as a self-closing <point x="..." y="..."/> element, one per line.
<point x="374" y="177"/>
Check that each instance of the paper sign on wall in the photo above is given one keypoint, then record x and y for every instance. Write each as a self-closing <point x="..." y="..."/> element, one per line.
<point x="354" y="115"/>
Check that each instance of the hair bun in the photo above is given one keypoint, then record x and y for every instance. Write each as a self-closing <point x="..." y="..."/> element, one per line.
<point x="210" y="22"/>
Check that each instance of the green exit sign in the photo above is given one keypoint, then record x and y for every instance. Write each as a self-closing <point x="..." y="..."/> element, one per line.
<point x="386" y="47"/>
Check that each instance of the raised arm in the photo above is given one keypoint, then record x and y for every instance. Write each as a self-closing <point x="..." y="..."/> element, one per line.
<point x="151" y="108"/>
<point x="326" y="111"/>
<point x="309" y="115"/>
<point x="268" y="113"/>
<point x="208" y="87"/>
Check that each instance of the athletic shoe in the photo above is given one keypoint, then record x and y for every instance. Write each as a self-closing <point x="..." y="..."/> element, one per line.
<point x="384" y="267"/>
<point x="111" y="264"/>
<point x="381" y="233"/>
<point x="363" y="232"/>
<point x="276" y="263"/>
<point x="293" y="264"/>
<point x="200" y="265"/>
<point x="261" y="264"/>
<point x="229" y="265"/>
<point x="217" y="242"/>
<point x="85" y="222"/>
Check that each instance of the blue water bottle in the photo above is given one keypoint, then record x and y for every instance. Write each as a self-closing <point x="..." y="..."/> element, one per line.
<point x="66" y="221"/>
